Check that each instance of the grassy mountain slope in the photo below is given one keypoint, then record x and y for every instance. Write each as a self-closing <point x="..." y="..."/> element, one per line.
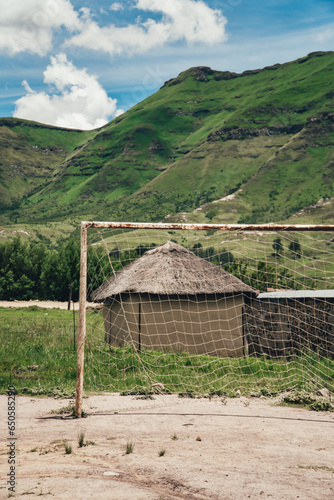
<point x="30" y="153"/>
<point x="281" y="161"/>
<point x="250" y="147"/>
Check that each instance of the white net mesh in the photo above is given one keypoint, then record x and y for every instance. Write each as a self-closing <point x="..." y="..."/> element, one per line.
<point x="209" y="311"/>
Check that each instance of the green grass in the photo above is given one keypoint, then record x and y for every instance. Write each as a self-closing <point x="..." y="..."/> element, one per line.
<point x="35" y="336"/>
<point x="32" y="152"/>
<point x="129" y="447"/>
<point x="317" y="468"/>
<point x="30" y="337"/>
<point x="50" y="233"/>
<point x="81" y="439"/>
<point x="65" y="410"/>
<point x="306" y="399"/>
<point x="68" y="447"/>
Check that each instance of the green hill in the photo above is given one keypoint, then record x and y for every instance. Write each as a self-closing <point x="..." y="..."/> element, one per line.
<point x="209" y="146"/>
<point x="30" y="155"/>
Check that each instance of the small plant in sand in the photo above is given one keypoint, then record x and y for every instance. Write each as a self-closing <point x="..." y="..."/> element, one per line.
<point x="65" y="410"/>
<point x="162" y="453"/>
<point x="129" y="447"/>
<point x="174" y="437"/>
<point x="68" y="447"/>
<point x="81" y="439"/>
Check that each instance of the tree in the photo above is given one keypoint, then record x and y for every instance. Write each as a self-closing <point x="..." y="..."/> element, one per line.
<point x="295" y="248"/>
<point x="20" y="268"/>
<point x="278" y="247"/>
<point x="196" y="248"/>
<point x="61" y="273"/>
<point x="262" y="275"/>
<point x="225" y="257"/>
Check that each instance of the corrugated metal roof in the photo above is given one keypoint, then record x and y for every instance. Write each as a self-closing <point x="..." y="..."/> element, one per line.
<point x="298" y="294"/>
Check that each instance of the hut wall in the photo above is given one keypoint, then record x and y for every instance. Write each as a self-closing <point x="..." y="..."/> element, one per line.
<point x="120" y="322"/>
<point x="197" y="325"/>
<point x="280" y="327"/>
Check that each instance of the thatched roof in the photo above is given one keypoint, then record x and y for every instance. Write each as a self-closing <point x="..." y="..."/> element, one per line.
<point x="171" y="269"/>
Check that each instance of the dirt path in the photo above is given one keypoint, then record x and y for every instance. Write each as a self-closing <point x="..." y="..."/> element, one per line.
<point x="45" y="304"/>
<point x="243" y="449"/>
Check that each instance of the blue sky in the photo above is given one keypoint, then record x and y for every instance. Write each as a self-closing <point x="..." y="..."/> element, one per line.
<point x="79" y="63"/>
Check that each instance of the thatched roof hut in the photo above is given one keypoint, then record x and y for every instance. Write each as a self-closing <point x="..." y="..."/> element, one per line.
<point x="171" y="269"/>
<point x="172" y="299"/>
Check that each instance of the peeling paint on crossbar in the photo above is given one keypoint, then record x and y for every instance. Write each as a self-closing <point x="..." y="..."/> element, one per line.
<point x="209" y="227"/>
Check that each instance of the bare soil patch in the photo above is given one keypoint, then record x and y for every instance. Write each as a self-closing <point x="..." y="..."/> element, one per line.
<point x="46" y="304"/>
<point x="216" y="449"/>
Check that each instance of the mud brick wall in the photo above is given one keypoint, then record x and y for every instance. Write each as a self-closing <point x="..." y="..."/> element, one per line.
<point x="287" y="326"/>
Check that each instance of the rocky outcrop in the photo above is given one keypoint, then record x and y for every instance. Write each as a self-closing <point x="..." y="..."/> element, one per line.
<point x="239" y="134"/>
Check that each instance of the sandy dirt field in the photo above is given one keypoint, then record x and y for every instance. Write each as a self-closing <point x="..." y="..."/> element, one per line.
<point x="221" y="450"/>
<point x="46" y="304"/>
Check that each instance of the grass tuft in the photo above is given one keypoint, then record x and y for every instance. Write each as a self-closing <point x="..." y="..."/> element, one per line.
<point x="65" y="410"/>
<point x="68" y="447"/>
<point x="81" y="439"/>
<point x="129" y="447"/>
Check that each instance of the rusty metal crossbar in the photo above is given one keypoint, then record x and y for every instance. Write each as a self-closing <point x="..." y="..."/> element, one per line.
<point x="209" y="227"/>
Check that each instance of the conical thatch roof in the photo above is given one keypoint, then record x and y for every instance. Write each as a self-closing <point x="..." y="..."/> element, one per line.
<point x="171" y="269"/>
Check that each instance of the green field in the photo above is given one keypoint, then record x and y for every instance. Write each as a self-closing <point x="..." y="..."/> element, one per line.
<point x="38" y="357"/>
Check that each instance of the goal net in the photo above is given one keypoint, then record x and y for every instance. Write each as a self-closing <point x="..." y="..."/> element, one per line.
<point x="205" y="309"/>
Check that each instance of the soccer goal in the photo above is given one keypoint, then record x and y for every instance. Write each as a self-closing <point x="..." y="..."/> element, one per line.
<point x="200" y="309"/>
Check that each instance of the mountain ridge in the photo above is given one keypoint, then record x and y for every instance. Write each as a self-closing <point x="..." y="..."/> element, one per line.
<point x="265" y="135"/>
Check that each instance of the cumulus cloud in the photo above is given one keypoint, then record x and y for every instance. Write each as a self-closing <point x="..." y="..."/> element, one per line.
<point x="28" y="25"/>
<point x="78" y="100"/>
<point x="190" y="20"/>
<point x="116" y="6"/>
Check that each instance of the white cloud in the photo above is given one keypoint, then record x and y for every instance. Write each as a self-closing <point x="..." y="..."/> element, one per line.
<point x="116" y="6"/>
<point x="78" y="100"/>
<point x="27" y="87"/>
<point x="86" y="14"/>
<point x="190" y="20"/>
<point x="28" y="25"/>
<point x="324" y="36"/>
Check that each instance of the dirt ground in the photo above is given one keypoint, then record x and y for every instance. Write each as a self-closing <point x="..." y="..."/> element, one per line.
<point x="46" y="304"/>
<point x="217" y="449"/>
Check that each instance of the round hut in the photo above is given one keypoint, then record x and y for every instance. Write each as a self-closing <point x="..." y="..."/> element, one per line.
<point x="169" y="299"/>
